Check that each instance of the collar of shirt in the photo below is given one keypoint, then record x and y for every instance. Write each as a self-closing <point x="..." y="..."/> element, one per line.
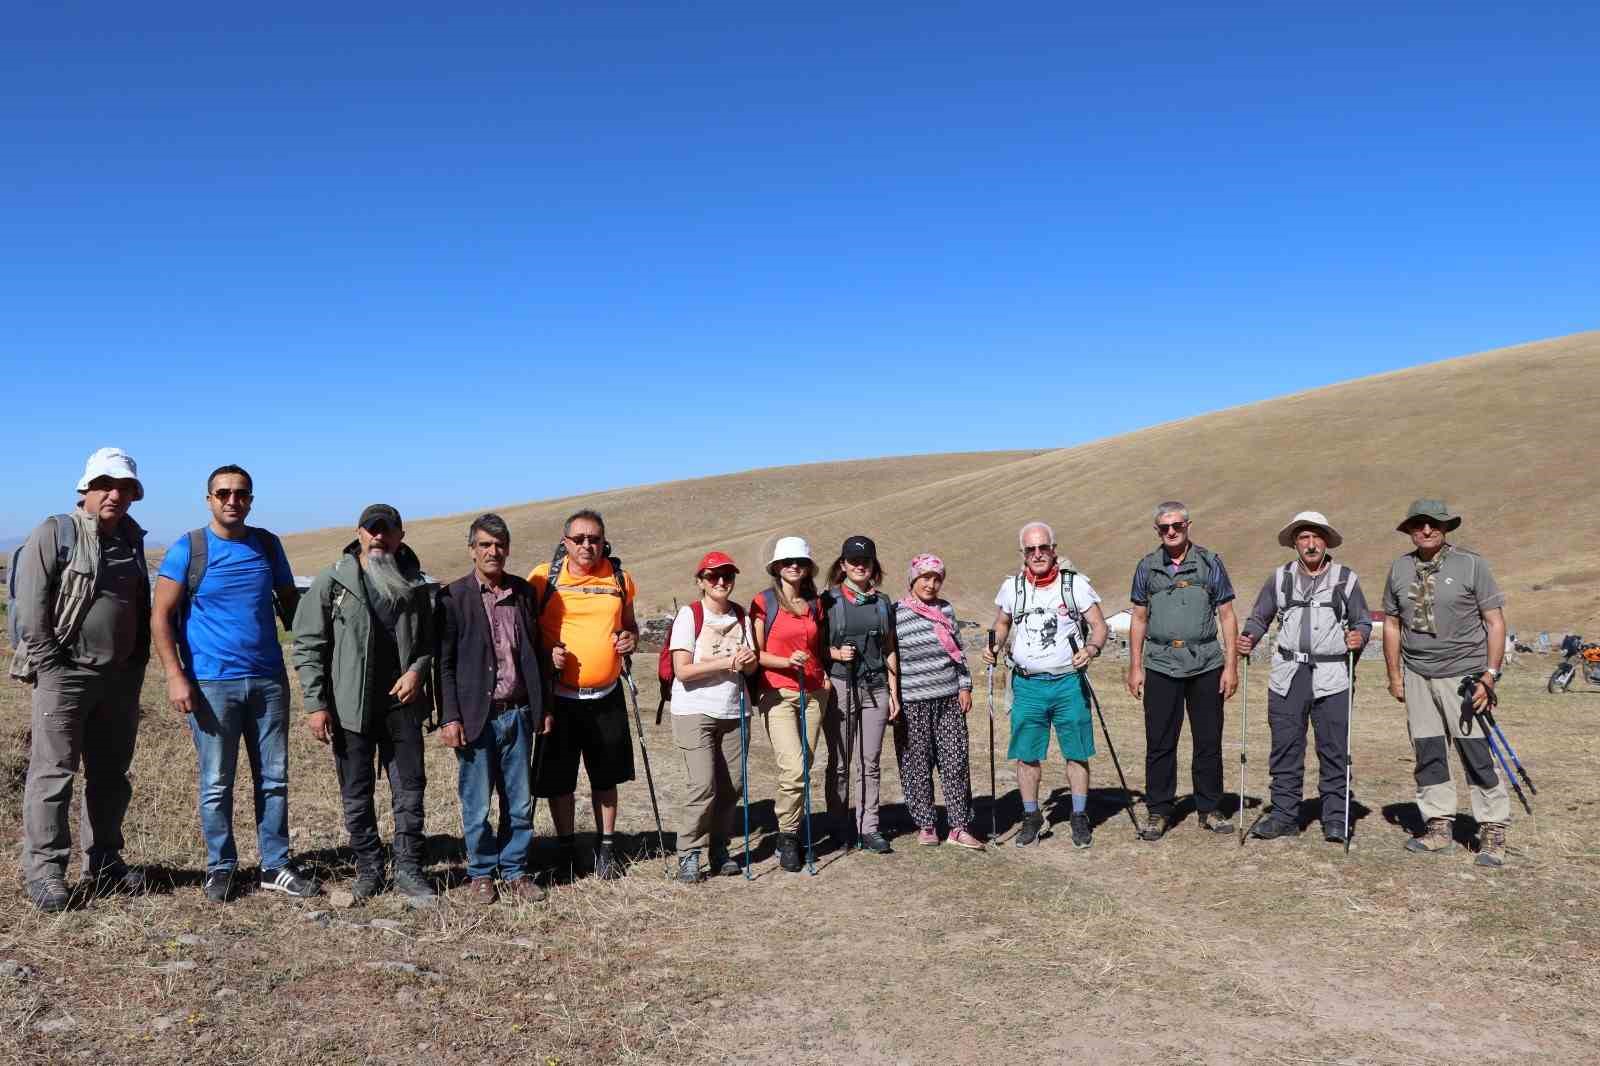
<point x="499" y="595"/>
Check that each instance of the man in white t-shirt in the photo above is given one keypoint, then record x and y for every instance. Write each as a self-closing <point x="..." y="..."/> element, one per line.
<point x="1058" y="629"/>
<point x="713" y="650"/>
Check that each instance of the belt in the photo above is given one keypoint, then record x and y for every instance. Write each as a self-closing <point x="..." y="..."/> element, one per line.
<point x="584" y="693"/>
<point x="1307" y="657"/>
<point x="502" y="706"/>
<point x="1185" y="643"/>
<point x="1039" y="675"/>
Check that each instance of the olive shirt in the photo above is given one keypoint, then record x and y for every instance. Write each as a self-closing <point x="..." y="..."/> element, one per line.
<point x="1463" y="589"/>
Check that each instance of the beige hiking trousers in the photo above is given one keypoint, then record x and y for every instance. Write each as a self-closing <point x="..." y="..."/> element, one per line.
<point x="780" y="710"/>
<point x="1433" y="717"/>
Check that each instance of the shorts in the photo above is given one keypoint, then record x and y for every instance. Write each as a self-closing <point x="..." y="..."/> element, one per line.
<point x="1037" y="704"/>
<point x="595" y="729"/>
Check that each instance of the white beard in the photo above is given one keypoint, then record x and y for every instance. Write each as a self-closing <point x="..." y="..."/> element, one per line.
<point x="389" y="586"/>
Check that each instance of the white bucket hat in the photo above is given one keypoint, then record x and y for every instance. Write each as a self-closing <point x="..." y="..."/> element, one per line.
<point x="114" y="463"/>
<point x="1314" y="519"/>
<point x="790" y="548"/>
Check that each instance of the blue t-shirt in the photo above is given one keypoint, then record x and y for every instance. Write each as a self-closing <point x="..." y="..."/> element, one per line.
<point x="230" y="631"/>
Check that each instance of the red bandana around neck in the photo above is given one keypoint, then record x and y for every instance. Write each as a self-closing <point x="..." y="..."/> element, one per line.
<point x="1048" y="579"/>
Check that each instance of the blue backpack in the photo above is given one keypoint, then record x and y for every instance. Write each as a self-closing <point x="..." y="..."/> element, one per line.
<point x="66" y="544"/>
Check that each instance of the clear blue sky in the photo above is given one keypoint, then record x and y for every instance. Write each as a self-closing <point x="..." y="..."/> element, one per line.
<point x="462" y="255"/>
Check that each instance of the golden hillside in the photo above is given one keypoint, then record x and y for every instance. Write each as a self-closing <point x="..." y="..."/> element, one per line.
<point x="1506" y="437"/>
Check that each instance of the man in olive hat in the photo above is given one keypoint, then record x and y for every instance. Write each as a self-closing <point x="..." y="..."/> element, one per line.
<point x="1323" y="616"/>
<point x="1446" y="624"/>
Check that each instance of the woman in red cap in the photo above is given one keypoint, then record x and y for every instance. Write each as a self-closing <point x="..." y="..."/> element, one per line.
<point x="712" y="652"/>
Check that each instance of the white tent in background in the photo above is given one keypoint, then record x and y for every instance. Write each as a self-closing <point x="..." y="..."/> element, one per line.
<point x="1120" y="623"/>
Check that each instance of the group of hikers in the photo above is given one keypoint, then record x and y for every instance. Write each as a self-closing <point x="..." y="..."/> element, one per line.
<point x="528" y="678"/>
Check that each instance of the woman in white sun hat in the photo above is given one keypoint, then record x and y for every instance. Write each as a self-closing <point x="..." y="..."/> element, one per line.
<point x="791" y="639"/>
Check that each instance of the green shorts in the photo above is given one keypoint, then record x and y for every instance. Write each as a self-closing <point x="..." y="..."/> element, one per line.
<point x="1037" y="703"/>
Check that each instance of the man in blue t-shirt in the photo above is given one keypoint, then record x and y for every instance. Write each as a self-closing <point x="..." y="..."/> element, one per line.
<point x="224" y="669"/>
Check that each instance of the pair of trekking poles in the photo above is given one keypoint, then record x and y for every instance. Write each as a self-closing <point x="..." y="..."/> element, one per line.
<point x="1491" y="731"/>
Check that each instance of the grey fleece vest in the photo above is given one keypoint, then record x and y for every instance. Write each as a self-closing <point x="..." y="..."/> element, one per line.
<point x="1180" y="609"/>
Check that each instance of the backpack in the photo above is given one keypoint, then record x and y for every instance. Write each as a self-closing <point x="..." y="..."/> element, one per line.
<point x="883" y="603"/>
<point x="1079" y="622"/>
<point x="666" y="669"/>
<point x="770" y="607"/>
<point x="1344" y="579"/>
<point x="66" y="544"/>
<point x="199" y="550"/>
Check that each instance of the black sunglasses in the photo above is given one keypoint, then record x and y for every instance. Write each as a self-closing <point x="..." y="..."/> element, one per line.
<point x="1172" y="527"/>
<point x="587" y="538"/>
<point x="242" y="495"/>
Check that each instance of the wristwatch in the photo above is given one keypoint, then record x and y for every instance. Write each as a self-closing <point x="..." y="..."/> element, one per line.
<point x="1494" y="675"/>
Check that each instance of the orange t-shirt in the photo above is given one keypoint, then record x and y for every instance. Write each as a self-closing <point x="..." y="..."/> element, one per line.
<point x="584" y="614"/>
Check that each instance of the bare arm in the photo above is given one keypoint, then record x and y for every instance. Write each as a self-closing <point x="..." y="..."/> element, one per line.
<point x="1228" y="630"/>
<point x="1138" y="626"/>
<point x="1391" y="657"/>
<point x="163" y="630"/>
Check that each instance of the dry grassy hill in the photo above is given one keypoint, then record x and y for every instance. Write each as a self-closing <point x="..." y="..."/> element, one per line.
<point x="1505" y="436"/>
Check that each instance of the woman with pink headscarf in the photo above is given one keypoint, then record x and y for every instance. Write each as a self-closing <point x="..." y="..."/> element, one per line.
<point x="935" y="697"/>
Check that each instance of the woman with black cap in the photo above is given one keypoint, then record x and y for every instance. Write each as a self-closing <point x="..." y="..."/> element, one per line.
<point x="864" y="673"/>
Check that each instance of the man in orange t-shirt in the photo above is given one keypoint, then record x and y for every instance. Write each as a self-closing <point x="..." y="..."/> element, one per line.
<point x="589" y="627"/>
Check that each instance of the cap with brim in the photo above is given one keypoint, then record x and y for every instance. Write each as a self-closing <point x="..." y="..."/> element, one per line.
<point x="859" y="547"/>
<point x="716" y="561"/>
<point x="379" y="512"/>
<point x="1309" y="520"/>
<point x="113" y="463"/>
<point x="789" y="548"/>
<point x="1431" y="509"/>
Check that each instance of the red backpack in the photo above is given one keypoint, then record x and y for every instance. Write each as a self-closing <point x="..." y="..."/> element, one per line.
<point x="666" y="668"/>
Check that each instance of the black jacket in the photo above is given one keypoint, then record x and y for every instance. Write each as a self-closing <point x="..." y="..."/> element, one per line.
<point x="467" y="669"/>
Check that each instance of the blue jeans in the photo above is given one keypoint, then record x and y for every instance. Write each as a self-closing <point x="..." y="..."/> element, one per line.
<point x="497" y="762"/>
<point x="256" y="710"/>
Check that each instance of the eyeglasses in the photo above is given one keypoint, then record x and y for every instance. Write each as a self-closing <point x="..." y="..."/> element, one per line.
<point x="242" y="495"/>
<point x="717" y="577"/>
<point x="1038" y="549"/>
<point x="1172" y="527"/>
<point x="581" y="539"/>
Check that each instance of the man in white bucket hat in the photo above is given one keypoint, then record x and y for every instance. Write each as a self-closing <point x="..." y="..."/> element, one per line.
<point x="81" y="634"/>
<point x="1323" y="616"/>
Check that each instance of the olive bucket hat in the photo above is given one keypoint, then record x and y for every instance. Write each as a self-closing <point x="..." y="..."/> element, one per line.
<point x="1431" y="509"/>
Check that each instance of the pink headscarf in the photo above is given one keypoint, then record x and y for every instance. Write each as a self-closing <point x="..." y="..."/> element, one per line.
<point x="943" y="628"/>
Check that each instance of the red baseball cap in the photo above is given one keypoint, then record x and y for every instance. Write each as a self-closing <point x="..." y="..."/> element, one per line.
<point x="716" y="561"/>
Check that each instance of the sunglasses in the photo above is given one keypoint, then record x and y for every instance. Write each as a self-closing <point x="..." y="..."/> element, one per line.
<point x="378" y="527"/>
<point x="1417" y="525"/>
<point x="717" y="577"/>
<point x="582" y="539"/>
<point x="242" y="495"/>
<point x="797" y="563"/>
<point x="1172" y="527"/>
<point x="1038" y="549"/>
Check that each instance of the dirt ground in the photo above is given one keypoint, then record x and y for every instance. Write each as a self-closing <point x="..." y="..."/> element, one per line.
<point x="1190" y="950"/>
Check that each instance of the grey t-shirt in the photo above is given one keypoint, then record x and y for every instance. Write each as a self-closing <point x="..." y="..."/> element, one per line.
<point x="1463" y="589"/>
<point x="110" y="632"/>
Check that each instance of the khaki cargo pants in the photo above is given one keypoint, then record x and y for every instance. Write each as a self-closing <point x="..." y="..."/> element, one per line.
<point x="1433" y="717"/>
<point x="712" y="786"/>
<point x="780" y="710"/>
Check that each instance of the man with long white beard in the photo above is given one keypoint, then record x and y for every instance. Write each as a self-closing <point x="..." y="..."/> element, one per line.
<point x="363" y="646"/>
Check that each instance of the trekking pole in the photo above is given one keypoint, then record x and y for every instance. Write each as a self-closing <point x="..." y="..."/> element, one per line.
<point x="852" y="704"/>
<point x="1349" y="743"/>
<point x="1507" y="771"/>
<point x="1127" y="793"/>
<point x="649" y="778"/>
<point x="744" y="769"/>
<point x="1487" y="714"/>
<point x="1469" y="714"/>
<point x="994" y="797"/>
<point x="805" y="774"/>
<point x="1244" y="743"/>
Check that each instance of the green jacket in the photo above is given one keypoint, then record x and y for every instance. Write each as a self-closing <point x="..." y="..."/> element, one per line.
<point x="333" y="638"/>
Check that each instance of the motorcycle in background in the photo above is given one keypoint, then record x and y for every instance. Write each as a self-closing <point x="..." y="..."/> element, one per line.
<point x="1576" y="653"/>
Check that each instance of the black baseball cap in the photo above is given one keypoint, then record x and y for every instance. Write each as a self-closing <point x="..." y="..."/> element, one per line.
<point x="379" y="513"/>
<point x="859" y="547"/>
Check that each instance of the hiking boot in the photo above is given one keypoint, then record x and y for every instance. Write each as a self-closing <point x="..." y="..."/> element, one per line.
<point x="1082" y="834"/>
<point x="411" y="882"/>
<point x="49" y="893"/>
<point x="1491" y="844"/>
<point x="1212" y="822"/>
<point x="789" y="852"/>
<point x="115" y="876"/>
<point x="1274" y="826"/>
<point x="369" y="881"/>
<point x="1439" y="838"/>
<point x="930" y="837"/>
<point x="876" y="843"/>
<point x="1031" y="824"/>
<point x="522" y="890"/>
<point x="607" y="867"/>
<point x="219" y="884"/>
<point x="482" y="890"/>
<point x="290" y="881"/>
<point x="963" y="839"/>
<point x="723" y="864"/>
<point x="689" y="872"/>
<point x="1155" y="828"/>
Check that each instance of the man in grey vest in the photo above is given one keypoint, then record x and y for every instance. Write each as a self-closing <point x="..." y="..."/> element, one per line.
<point x="1446" y="628"/>
<point x="83" y="627"/>
<point x="1181" y="654"/>
<point x="1322" y="617"/>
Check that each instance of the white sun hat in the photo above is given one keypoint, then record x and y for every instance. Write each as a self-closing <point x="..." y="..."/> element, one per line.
<point x="113" y="463"/>
<point x="790" y="548"/>
<point x="1313" y="519"/>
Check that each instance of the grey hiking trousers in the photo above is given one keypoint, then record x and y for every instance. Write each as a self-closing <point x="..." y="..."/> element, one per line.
<point x="80" y="714"/>
<point x="1330" y="721"/>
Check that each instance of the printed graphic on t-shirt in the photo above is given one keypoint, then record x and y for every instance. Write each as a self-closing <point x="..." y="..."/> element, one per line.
<point x="716" y="642"/>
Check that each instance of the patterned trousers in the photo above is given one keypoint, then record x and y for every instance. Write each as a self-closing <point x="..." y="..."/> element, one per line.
<point x="929" y="732"/>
